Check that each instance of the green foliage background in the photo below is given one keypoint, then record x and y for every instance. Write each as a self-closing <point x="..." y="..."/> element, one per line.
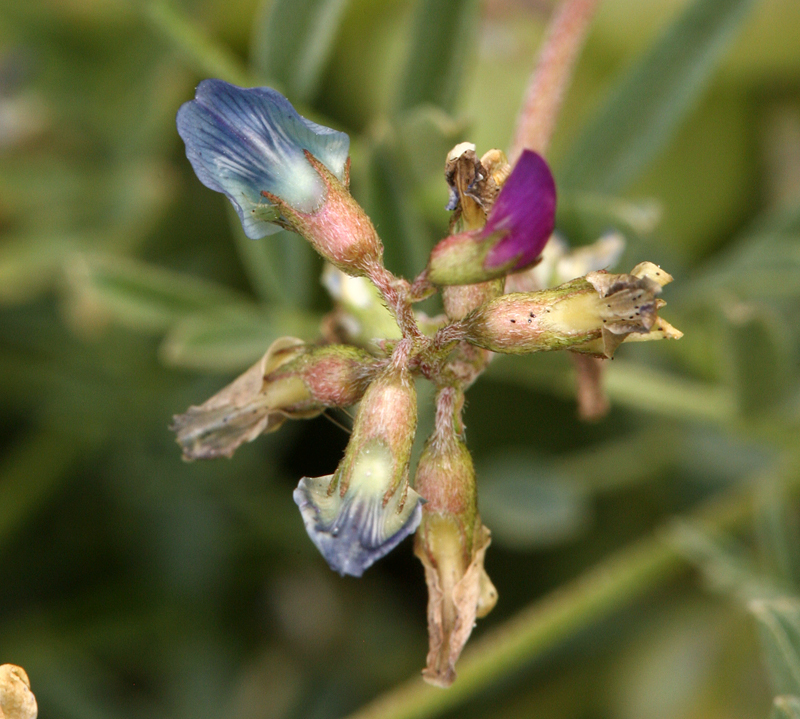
<point x="135" y="585"/>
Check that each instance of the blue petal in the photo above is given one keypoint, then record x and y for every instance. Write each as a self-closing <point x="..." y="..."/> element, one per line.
<point x="354" y="531"/>
<point x="245" y="141"/>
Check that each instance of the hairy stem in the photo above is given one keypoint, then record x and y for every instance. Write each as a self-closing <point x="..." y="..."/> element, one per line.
<point x="551" y="77"/>
<point x="396" y="294"/>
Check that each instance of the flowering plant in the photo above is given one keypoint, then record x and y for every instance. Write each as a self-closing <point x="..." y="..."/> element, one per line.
<point x="281" y="170"/>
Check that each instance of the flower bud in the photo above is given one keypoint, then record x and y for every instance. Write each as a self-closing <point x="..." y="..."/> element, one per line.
<point x="451" y="543"/>
<point x="517" y="228"/>
<point x="278" y="169"/>
<point x="16" y="698"/>
<point x="292" y="380"/>
<point x="592" y="314"/>
<point x="366" y="508"/>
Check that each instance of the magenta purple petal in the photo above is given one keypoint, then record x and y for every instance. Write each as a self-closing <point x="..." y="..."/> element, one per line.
<point x="524" y="212"/>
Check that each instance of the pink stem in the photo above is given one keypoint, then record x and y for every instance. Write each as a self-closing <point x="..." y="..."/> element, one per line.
<point x="551" y="77"/>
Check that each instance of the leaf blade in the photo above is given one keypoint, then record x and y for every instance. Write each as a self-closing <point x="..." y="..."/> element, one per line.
<point x="649" y="102"/>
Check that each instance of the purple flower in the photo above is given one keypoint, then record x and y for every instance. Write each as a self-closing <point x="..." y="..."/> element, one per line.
<point x="517" y="228"/>
<point x="524" y="213"/>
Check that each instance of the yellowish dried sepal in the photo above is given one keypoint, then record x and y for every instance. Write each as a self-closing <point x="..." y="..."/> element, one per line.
<point x="16" y="698"/>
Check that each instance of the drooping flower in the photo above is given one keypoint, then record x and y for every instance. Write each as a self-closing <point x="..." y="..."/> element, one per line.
<point x="278" y="169"/>
<point x="451" y="544"/>
<point x="520" y="222"/>
<point x="292" y="380"/>
<point x="366" y="508"/>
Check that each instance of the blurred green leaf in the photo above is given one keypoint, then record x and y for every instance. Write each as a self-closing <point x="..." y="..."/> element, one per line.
<point x="785" y="707"/>
<point x="30" y="264"/>
<point x="426" y="134"/>
<point x="282" y="268"/>
<point x="778" y="528"/>
<point x="583" y="216"/>
<point x="389" y="202"/>
<point x="231" y="339"/>
<point x="528" y="503"/>
<point x="628" y="383"/>
<point x="762" y="266"/>
<point x="640" y="115"/>
<point x="624" y="460"/>
<point x="758" y="349"/>
<point x="725" y="564"/>
<point x="443" y="37"/>
<point x="293" y="41"/>
<point x="206" y="57"/>
<point x="138" y="295"/>
<point x="779" y="624"/>
<point x="30" y="472"/>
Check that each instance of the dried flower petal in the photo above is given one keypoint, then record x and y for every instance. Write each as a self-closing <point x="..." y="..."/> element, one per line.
<point x="16" y="698"/>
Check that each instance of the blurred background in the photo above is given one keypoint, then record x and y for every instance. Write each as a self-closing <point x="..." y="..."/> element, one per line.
<point x="133" y="584"/>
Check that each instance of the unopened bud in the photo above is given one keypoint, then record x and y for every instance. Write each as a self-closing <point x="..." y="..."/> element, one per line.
<point x="292" y="380"/>
<point x="366" y="508"/>
<point x="361" y="316"/>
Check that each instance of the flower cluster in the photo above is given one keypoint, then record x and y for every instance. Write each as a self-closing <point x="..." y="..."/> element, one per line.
<point x="280" y="170"/>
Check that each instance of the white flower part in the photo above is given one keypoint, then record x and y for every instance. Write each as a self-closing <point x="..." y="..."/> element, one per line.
<point x="600" y="255"/>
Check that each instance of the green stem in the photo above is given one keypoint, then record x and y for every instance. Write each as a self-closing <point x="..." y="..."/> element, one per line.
<point x="632" y="385"/>
<point x="624" y="577"/>
<point x="652" y="390"/>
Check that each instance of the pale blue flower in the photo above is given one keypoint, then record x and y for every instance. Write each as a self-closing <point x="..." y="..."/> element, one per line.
<point x="355" y="530"/>
<point x="243" y="142"/>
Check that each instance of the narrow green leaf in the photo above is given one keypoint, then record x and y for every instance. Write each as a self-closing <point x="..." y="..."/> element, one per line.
<point x="785" y="707"/>
<point x="203" y="54"/>
<point x="763" y="267"/>
<point x="653" y="97"/>
<point x="726" y="566"/>
<point x="779" y="624"/>
<point x="778" y="531"/>
<point x="293" y="42"/>
<point x="390" y="205"/>
<point x="232" y="338"/>
<point x="528" y="503"/>
<point x="758" y="353"/>
<point x="630" y="384"/>
<point x="444" y="34"/>
<point x="30" y="472"/>
<point x="282" y="268"/>
<point x="139" y="295"/>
